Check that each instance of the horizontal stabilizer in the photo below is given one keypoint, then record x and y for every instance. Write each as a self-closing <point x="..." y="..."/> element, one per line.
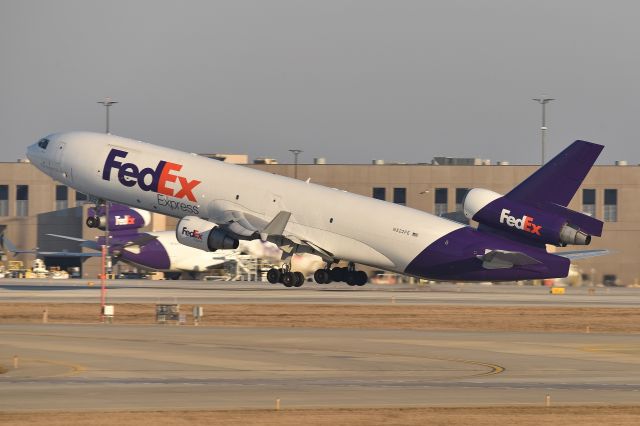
<point x="84" y="243"/>
<point x="500" y="259"/>
<point x="140" y="241"/>
<point x="558" y="180"/>
<point x="582" y="254"/>
<point x="456" y="217"/>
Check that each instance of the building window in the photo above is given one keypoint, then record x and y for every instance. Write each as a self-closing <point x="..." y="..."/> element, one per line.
<point x="62" y="197"/>
<point x="460" y="194"/>
<point x="400" y="196"/>
<point x="22" y="200"/>
<point x="589" y="202"/>
<point x="4" y="200"/>
<point x="610" y="205"/>
<point x="81" y="198"/>
<point x="380" y="193"/>
<point x="441" y="201"/>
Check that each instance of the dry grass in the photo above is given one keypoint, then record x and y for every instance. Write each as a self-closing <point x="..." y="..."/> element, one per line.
<point x="529" y="416"/>
<point x="399" y="317"/>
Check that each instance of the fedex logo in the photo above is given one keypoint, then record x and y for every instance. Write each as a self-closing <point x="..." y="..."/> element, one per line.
<point x="125" y="220"/>
<point x="195" y="234"/>
<point x="161" y="179"/>
<point x="524" y="223"/>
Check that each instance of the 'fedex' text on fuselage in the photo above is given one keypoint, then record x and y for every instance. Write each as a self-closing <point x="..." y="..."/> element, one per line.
<point x="161" y="178"/>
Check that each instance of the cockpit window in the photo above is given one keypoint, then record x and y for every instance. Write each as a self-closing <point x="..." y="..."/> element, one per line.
<point x="43" y="143"/>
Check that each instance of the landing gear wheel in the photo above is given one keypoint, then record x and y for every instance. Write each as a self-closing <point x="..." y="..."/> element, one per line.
<point x="338" y="274"/>
<point x="273" y="275"/>
<point x="351" y="278"/>
<point x="322" y="276"/>
<point x="361" y="278"/>
<point x="299" y="279"/>
<point x="288" y="279"/>
<point x="92" y="222"/>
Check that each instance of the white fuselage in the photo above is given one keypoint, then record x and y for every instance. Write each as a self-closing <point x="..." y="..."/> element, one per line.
<point x="183" y="258"/>
<point x="349" y="226"/>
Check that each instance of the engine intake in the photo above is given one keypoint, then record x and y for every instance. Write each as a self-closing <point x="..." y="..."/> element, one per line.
<point x="204" y="235"/>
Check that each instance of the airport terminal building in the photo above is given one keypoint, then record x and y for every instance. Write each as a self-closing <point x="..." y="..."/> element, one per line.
<point x="33" y="205"/>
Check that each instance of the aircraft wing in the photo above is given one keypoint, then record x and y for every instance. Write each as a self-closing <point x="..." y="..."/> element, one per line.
<point x="500" y="259"/>
<point x="581" y="254"/>
<point x="456" y="217"/>
<point x="65" y="254"/>
<point x="239" y="224"/>
<point x="84" y="243"/>
<point x="246" y="226"/>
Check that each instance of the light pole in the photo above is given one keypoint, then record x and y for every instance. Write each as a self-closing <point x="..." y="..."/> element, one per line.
<point x="107" y="103"/>
<point x="295" y="153"/>
<point x="543" y="128"/>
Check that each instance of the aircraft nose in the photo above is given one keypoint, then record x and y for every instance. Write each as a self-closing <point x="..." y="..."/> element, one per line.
<point x="37" y="150"/>
<point x="31" y="152"/>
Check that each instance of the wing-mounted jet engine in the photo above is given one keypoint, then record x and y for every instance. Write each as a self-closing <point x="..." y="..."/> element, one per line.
<point x="204" y="235"/>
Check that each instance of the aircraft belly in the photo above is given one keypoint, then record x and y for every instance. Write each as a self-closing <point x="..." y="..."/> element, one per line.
<point x="375" y="241"/>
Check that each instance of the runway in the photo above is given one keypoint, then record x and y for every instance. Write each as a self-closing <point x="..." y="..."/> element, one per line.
<point x="117" y="367"/>
<point x="207" y="292"/>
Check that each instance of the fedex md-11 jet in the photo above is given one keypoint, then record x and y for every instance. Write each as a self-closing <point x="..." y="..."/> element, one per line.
<point x="220" y="204"/>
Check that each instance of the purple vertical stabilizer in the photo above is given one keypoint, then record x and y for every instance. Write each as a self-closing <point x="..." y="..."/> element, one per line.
<point x="557" y="181"/>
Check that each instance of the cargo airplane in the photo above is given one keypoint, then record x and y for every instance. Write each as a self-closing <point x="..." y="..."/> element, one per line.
<point x="220" y="204"/>
<point x="158" y="251"/>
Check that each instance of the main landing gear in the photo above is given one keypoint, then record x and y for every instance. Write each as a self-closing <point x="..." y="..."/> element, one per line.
<point x="285" y="276"/>
<point x="349" y="275"/>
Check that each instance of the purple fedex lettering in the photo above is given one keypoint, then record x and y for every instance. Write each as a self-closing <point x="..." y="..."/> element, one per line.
<point x="195" y="234"/>
<point x="128" y="173"/>
<point x="149" y="179"/>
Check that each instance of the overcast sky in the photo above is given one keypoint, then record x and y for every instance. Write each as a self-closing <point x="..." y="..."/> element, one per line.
<point x="347" y="80"/>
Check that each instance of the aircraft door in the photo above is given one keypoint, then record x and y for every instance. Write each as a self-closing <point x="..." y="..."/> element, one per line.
<point x="58" y="162"/>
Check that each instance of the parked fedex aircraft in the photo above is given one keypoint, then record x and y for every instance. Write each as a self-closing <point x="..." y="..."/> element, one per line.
<point x="220" y="204"/>
<point x="158" y="251"/>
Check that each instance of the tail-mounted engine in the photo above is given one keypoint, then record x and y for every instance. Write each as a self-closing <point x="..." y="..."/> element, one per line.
<point x="204" y="235"/>
<point x="121" y="218"/>
<point x="547" y="224"/>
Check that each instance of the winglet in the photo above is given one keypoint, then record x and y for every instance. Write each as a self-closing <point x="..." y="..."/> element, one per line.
<point x="7" y="244"/>
<point x="276" y="226"/>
